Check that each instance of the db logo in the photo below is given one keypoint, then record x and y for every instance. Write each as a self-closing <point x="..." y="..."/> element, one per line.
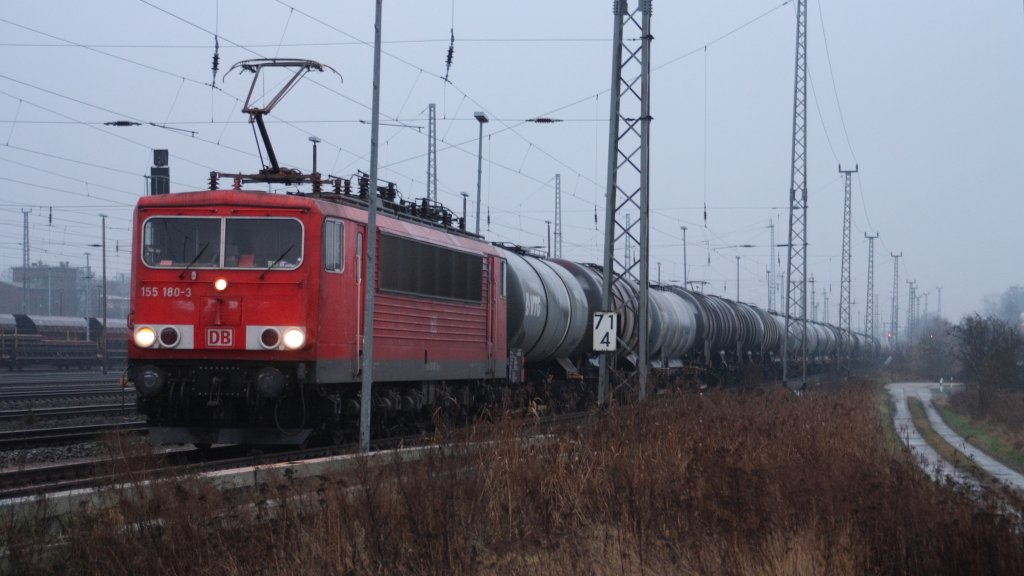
<point x="220" y="337"/>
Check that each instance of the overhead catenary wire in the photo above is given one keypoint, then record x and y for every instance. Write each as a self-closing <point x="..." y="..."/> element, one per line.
<point x="498" y="165"/>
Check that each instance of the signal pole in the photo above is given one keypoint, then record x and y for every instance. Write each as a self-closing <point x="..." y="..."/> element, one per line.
<point x="894" y="320"/>
<point x="627" y="189"/>
<point x="869" y="313"/>
<point x="796" y="274"/>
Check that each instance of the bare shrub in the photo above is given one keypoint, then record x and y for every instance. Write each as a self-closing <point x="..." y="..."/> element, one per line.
<point x="751" y="482"/>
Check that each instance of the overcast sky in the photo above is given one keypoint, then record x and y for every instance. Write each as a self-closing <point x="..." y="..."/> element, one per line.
<point x="924" y="96"/>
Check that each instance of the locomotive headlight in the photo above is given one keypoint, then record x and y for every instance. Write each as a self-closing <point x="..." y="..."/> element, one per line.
<point x="294" y="338"/>
<point x="220" y="284"/>
<point x="169" y="337"/>
<point x="145" y="337"/>
<point x="270" y="338"/>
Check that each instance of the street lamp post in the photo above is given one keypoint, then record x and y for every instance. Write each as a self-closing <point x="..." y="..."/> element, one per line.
<point x="103" y="336"/>
<point x="685" y="279"/>
<point x="481" y="118"/>
<point x="737" y="278"/>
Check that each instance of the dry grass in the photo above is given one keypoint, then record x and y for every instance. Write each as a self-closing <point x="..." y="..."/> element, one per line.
<point x="757" y="482"/>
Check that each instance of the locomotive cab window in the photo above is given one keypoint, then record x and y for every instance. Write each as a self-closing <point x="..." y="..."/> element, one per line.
<point x="262" y="243"/>
<point x="181" y="242"/>
<point x="210" y="242"/>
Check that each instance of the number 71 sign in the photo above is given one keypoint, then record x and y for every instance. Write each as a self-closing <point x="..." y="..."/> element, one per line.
<point x="606" y="325"/>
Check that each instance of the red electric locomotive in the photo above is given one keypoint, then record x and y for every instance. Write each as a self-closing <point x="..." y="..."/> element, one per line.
<point x="248" y="314"/>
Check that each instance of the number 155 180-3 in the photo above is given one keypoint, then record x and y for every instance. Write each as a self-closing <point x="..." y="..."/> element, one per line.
<point x="166" y="292"/>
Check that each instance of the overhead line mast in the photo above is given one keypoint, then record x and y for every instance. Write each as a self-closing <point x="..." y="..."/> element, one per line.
<point x="628" y="174"/>
<point x="911" y="310"/>
<point x="894" y="321"/>
<point x="432" y="153"/>
<point x="796" y="275"/>
<point x="844" y="279"/>
<point x="869" y="313"/>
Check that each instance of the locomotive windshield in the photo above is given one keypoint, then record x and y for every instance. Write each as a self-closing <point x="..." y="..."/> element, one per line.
<point x="246" y="243"/>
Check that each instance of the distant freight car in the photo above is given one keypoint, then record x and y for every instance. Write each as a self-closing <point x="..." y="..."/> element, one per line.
<point x="59" y="342"/>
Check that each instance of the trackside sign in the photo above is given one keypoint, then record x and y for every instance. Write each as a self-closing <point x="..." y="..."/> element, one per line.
<point x="606" y="326"/>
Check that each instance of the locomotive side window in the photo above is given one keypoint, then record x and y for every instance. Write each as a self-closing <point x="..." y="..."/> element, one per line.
<point x="181" y="242"/>
<point x="359" y="256"/>
<point x="334" y="238"/>
<point x="421" y="269"/>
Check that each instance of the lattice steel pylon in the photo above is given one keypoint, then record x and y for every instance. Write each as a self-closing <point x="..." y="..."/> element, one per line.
<point x="894" y="320"/>
<point x="432" y="153"/>
<point x="911" y="310"/>
<point x="796" y="274"/>
<point x="869" y="313"/>
<point x="844" y="278"/>
<point x="628" y="174"/>
<point x="558" y="216"/>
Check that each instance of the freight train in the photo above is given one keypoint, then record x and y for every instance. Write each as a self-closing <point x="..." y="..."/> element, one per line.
<point x="247" y="318"/>
<point x="30" y="341"/>
<point x="248" y="314"/>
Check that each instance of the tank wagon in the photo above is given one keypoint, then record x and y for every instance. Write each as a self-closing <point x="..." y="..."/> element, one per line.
<point x="247" y="317"/>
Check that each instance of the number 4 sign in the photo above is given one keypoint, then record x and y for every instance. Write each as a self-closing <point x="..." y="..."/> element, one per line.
<point x="606" y="325"/>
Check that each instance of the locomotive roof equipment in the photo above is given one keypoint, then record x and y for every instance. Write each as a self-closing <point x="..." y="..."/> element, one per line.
<point x="274" y="174"/>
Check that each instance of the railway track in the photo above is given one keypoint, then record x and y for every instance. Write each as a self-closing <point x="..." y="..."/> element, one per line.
<point x="44" y="479"/>
<point x="61" y="411"/>
<point x="51" y="393"/>
<point x="51" y="478"/>
<point x="51" y="388"/>
<point x="27" y="378"/>
<point x="14" y="439"/>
